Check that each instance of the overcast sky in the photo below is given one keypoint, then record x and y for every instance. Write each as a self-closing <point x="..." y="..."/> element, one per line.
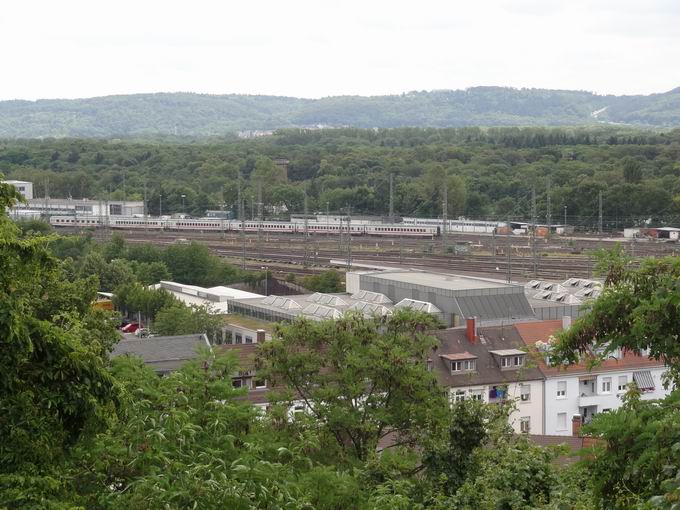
<point x="84" y="48"/>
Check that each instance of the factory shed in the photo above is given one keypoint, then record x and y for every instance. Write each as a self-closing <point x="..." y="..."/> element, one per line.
<point x="455" y="296"/>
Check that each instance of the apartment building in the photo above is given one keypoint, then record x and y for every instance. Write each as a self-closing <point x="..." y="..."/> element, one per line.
<point x="490" y="364"/>
<point x="579" y="391"/>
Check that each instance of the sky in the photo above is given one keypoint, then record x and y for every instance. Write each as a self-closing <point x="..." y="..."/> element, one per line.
<point x="301" y="48"/>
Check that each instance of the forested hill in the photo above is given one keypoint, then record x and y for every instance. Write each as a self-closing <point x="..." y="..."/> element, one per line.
<point x="187" y="114"/>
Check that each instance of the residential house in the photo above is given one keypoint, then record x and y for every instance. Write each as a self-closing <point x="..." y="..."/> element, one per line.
<point x="490" y="364"/>
<point x="579" y="391"/>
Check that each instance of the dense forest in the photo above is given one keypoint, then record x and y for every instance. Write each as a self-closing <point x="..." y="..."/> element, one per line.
<point x="81" y="431"/>
<point x="490" y="172"/>
<point x="187" y="114"/>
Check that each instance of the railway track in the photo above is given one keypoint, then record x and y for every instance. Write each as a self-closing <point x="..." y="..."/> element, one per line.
<point x="287" y="251"/>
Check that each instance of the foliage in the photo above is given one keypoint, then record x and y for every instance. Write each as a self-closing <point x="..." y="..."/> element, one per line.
<point x="207" y="115"/>
<point x="490" y="172"/>
<point x="361" y="386"/>
<point x="53" y="382"/>
<point x="327" y="281"/>
<point x="179" y="319"/>
<point x="638" y="310"/>
<point x="639" y="455"/>
<point x="134" y="299"/>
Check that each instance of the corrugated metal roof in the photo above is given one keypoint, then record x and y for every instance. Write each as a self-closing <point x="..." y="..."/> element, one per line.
<point x="495" y="306"/>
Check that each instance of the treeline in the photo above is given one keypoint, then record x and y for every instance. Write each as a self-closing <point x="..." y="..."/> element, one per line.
<point x="200" y="115"/>
<point x="490" y="172"/>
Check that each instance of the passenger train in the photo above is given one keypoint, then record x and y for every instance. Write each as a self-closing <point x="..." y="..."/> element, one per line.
<point x="222" y="225"/>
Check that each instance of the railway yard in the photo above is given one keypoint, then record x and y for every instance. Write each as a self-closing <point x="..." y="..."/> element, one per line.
<point x="556" y="257"/>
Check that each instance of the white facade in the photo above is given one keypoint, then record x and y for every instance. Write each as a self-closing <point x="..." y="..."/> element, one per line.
<point x="37" y="207"/>
<point x="587" y="394"/>
<point x="527" y="415"/>
<point x="216" y="298"/>
<point x="24" y="187"/>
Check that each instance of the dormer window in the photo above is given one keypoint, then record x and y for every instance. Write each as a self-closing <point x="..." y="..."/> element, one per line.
<point x="510" y="359"/>
<point x="461" y="363"/>
<point x="464" y="366"/>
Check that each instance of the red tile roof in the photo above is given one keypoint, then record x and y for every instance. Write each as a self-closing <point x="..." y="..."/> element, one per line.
<point x="532" y="332"/>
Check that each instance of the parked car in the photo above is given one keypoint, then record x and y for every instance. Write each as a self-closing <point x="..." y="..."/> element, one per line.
<point x="130" y="328"/>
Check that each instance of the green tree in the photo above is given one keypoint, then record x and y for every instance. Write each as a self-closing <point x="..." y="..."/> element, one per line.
<point x="327" y="281"/>
<point x="53" y="383"/>
<point x="361" y="381"/>
<point x="179" y="319"/>
<point x="632" y="170"/>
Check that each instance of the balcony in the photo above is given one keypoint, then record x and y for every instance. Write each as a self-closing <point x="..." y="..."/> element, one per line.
<point x="589" y="400"/>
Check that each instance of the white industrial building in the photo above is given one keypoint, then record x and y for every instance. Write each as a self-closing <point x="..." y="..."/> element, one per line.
<point x="24" y="187"/>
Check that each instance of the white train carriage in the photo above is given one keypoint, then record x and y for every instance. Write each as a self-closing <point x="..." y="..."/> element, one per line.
<point x="402" y="230"/>
<point x="215" y="225"/>
<point x="133" y="222"/>
<point x="75" y="221"/>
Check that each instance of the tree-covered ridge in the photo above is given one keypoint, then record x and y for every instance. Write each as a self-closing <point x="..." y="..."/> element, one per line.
<point x="188" y="114"/>
<point x="490" y="172"/>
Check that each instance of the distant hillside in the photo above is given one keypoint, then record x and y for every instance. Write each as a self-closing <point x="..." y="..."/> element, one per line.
<point x="188" y="114"/>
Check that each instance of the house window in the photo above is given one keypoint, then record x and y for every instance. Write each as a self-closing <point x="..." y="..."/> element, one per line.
<point x="463" y="366"/>
<point x="459" y="396"/>
<point x="498" y="393"/>
<point x="237" y="383"/>
<point x="607" y="385"/>
<point x="239" y="338"/>
<point x="623" y="383"/>
<point x="525" y="392"/>
<point x="429" y="365"/>
<point x="505" y="362"/>
<point x="260" y="384"/>
<point x="561" y="421"/>
<point x="561" y="389"/>
<point x="518" y="361"/>
<point x="477" y="394"/>
<point x="249" y="339"/>
<point x="525" y="424"/>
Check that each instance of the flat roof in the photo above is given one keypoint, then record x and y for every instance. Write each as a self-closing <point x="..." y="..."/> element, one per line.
<point x="508" y="352"/>
<point x="441" y="280"/>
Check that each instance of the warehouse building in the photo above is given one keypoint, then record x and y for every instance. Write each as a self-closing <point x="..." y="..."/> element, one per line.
<point x="40" y="207"/>
<point x="455" y="296"/>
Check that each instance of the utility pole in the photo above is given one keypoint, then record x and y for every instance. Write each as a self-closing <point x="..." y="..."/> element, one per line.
<point x="599" y="217"/>
<point x="305" y="262"/>
<point x="391" y="220"/>
<point x="241" y="215"/>
<point x="349" y="238"/>
<point x="509" y="254"/>
<point x="534" y="253"/>
<point x="445" y="216"/>
<point x="146" y="215"/>
<point x="259" y="218"/>
<point x="549" y="206"/>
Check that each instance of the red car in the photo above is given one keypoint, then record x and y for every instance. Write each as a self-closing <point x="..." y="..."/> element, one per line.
<point x="130" y="328"/>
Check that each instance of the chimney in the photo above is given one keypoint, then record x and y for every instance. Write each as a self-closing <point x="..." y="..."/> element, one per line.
<point x="260" y="336"/>
<point x="576" y="425"/>
<point x="566" y="321"/>
<point x="471" y="331"/>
